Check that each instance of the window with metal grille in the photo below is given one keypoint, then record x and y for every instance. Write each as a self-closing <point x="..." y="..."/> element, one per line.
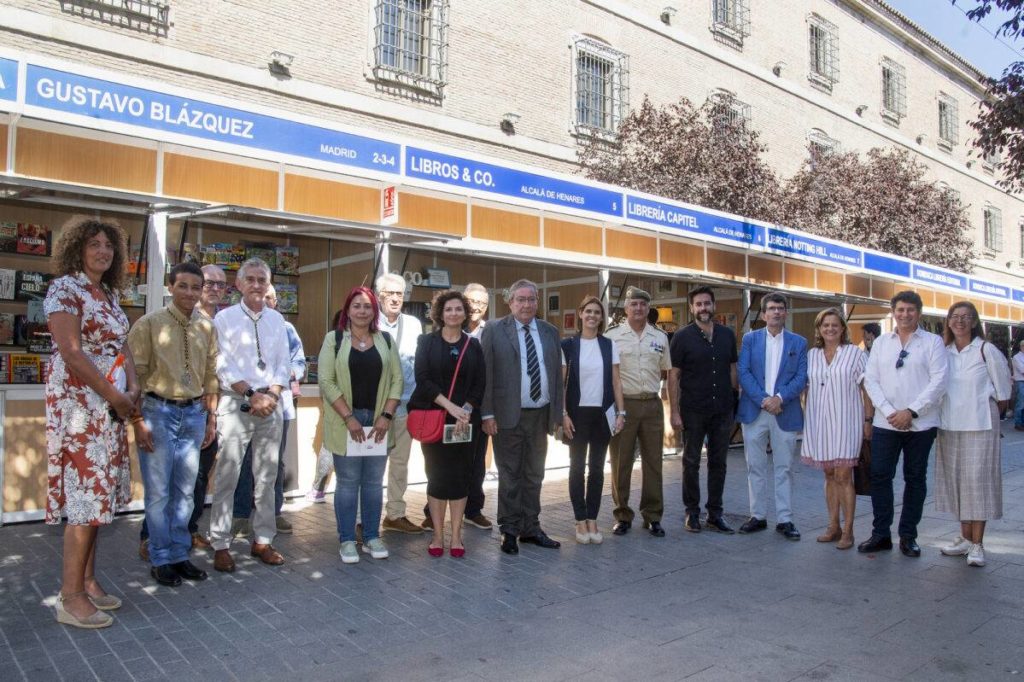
<point x="819" y="145"/>
<point x="1020" y="228"/>
<point x="731" y="19"/>
<point x="146" y="16"/>
<point x="823" y="45"/>
<point x="601" y="86"/>
<point x="990" y="161"/>
<point x="728" y="112"/>
<point x="894" y="90"/>
<point x="410" y="42"/>
<point x="949" y="121"/>
<point x="993" y="229"/>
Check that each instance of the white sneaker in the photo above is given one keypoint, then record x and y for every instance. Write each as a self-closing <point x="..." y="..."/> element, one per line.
<point x="348" y="553"/>
<point x="976" y="555"/>
<point x="958" y="547"/>
<point x="376" y="548"/>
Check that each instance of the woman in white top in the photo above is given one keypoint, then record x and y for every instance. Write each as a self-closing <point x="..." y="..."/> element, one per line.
<point x="968" y="478"/>
<point x="590" y="367"/>
<point x="838" y="418"/>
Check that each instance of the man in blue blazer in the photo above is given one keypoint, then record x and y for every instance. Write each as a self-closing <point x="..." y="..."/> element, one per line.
<point x="772" y="373"/>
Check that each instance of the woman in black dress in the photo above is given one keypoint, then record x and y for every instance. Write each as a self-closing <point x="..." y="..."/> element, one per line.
<point x="449" y="465"/>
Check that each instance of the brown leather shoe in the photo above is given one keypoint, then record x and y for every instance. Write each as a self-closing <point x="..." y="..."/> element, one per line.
<point x="223" y="561"/>
<point x="144" y="550"/>
<point x="199" y="542"/>
<point x="267" y="554"/>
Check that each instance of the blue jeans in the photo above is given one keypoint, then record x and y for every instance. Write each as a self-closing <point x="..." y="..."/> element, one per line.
<point x="169" y="474"/>
<point x="1018" y="409"/>
<point x="886" y="445"/>
<point x="244" y="489"/>
<point x="359" y="485"/>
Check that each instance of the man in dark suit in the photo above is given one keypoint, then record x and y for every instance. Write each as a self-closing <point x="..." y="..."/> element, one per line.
<point x="772" y="373"/>
<point x="522" y="405"/>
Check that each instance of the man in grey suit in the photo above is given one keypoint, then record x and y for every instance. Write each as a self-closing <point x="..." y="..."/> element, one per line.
<point x="522" y="405"/>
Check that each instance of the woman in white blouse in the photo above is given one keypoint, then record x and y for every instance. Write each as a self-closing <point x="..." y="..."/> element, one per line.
<point x="968" y="480"/>
<point x="590" y="367"/>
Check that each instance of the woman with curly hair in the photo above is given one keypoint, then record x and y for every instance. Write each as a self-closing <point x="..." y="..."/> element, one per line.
<point x="90" y="391"/>
<point x="449" y="466"/>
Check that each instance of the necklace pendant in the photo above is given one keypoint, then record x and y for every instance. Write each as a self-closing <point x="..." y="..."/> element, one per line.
<point x="186" y="378"/>
<point x="261" y="365"/>
<point x="362" y="344"/>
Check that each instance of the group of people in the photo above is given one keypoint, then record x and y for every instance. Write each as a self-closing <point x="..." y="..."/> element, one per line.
<point x="198" y="384"/>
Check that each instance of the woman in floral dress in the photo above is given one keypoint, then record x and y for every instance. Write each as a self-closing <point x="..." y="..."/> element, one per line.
<point x="90" y="392"/>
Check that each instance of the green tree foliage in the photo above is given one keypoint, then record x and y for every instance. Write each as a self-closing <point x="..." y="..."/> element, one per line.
<point x="1000" y="121"/>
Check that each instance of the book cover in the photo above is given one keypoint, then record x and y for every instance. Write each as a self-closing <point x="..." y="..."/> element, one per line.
<point x="133" y="267"/>
<point x="312" y="369"/>
<point x="8" y="237"/>
<point x="7" y="329"/>
<point x="287" y="298"/>
<point x="132" y="296"/>
<point x="7" y="278"/>
<point x="265" y="252"/>
<point x="30" y="285"/>
<point x="33" y="239"/>
<point x="287" y="258"/>
<point x="25" y="369"/>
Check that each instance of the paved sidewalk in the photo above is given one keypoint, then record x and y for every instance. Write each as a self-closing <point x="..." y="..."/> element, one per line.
<point x="704" y="606"/>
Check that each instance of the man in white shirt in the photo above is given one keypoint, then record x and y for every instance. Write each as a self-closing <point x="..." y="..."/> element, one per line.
<point x="254" y="369"/>
<point x="405" y="330"/>
<point x="906" y="381"/>
<point x="1018" y="382"/>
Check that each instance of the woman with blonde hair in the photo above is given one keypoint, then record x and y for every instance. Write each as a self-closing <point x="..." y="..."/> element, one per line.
<point x="968" y="457"/>
<point x="837" y="420"/>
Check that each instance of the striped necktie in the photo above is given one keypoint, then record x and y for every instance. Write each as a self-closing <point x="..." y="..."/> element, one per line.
<point x="532" y="365"/>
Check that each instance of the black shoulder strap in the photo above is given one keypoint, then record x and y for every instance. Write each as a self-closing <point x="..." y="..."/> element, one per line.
<point x="387" y="337"/>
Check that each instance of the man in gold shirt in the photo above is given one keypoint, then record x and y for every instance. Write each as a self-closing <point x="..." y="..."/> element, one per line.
<point x="176" y="355"/>
<point x="643" y="363"/>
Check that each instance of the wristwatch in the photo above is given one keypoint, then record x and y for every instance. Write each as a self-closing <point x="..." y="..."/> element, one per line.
<point x="620" y="414"/>
<point x="249" y="392"/>
<point x="912" y="413"/>
<point x="387" y="415"/>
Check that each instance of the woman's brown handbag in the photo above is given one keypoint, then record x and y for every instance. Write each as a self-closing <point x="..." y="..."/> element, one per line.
<point x="862" y="472"/>
<point x="427" y="426"/>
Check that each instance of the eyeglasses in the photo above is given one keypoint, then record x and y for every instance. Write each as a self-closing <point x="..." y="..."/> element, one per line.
<point x="477" y="302"/>
<point x="392" y="294"/>
<point x="961" y="318"/>
<point x="210" y="284"/>
<point x="523" y="301"/>
<point x="902" y="357"/>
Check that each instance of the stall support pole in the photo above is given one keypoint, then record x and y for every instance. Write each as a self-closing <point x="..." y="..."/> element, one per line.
<point x="603" y="278"/>
<point x="156" y="258"/>
<point x="746" y="312"/>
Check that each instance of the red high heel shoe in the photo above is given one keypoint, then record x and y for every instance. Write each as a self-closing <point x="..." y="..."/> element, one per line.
<point x="457" y="552"/>
<point x="435" y="551"/>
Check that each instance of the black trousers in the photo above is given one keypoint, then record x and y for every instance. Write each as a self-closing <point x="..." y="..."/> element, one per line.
<point x="588" y="449"/>
<point x="717" y="428"/>
<point x="207" y="456"/>
<point x="886" y="446"/>
<point x="475" y="499"/>
<point x="520" y="453"/>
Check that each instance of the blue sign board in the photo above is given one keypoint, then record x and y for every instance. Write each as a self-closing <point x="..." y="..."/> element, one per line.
<point x="989" y="289"/>
<point x="74" y="94"/>
<point x="1018" y="295"/>
<point x="802" y="245"/>
<point x="487" y="177"/>
<point x="886" y="265"/>
<point x="8" y="79"/>
<point x="942" y="277"/>
<point x="692" y="221"/>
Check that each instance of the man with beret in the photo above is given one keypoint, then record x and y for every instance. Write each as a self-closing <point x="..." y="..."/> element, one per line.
<point x="644" y="363"/>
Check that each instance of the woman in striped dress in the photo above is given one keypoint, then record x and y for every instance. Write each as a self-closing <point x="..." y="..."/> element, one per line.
<point x="968" y="476"/>
<point x="838" y="418"/>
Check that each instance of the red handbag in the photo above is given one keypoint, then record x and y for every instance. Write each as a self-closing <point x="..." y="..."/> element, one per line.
<point x="427" y="426"/>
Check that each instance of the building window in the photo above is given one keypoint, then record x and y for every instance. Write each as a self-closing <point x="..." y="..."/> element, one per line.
<point x="990" y="161"/>
<point x="730" y="19"/>
<point x="410" y="43"/>
<point x="949" y="121"/>
<point x="728" y="112"/>
<point x="894" y="91"/>
<point x="823" y="44"/>
<point x="601" y="87"/>
<point x="819" y="145"/>
<point x="1021" y="229"/>
<point x="993" y="229"/>
<point x="145" y="16"/>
